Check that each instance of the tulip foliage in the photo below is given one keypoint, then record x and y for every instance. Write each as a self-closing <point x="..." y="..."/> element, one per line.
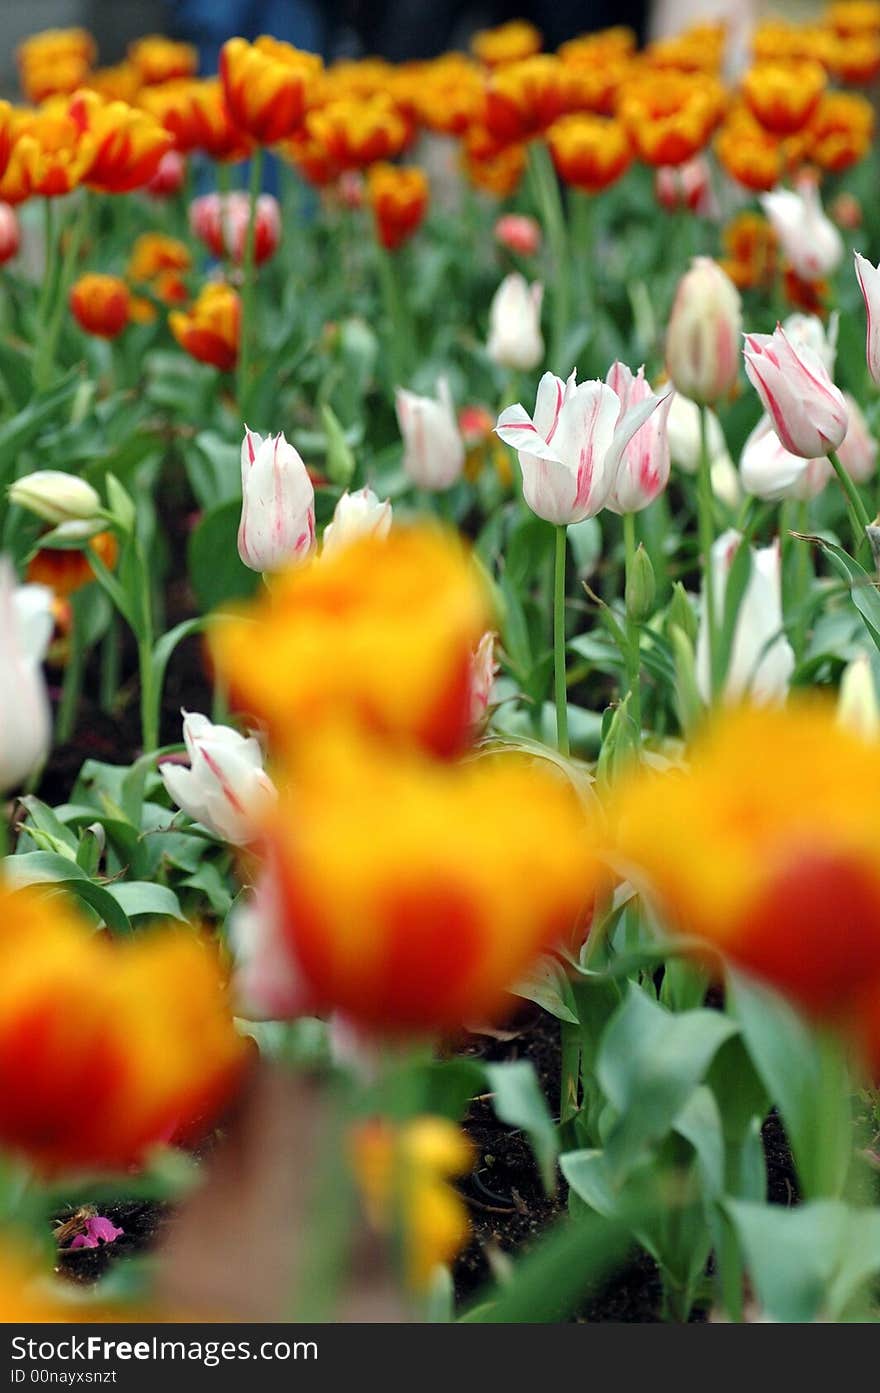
<point x="438" y="605"/>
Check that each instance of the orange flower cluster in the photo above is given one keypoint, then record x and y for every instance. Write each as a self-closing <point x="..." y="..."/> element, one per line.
<point x="106" y="1048"/>
<point x="671" y="115"/>
<point x="398" y="197"/>
<point x="194" y="113"/>
<point x="354" y="134"/>
<point x="157" y="263"/>
<point x="413" y="889"/>
<point x="589" y="152"/>
<point x="775" y="861"/>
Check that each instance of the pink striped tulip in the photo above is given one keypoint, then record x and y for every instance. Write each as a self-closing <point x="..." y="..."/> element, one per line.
<point x="869" y="280"/>
<point x="570" y="452"/>
<point x="643" y="471"/>
<point x="278" y="504"/>
<point x="808" y="412"/>
<point x="702" y="340"/>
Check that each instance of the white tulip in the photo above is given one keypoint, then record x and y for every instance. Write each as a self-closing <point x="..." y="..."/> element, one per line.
<point x="55" y="496"/>
<point x="278" y="504"/>
<point x="225" y="787"/>
<point x="515" y="339"/>
<point x="433" y="450"/>
<point x="761" y="658"/>
<point x="357" y="514"/>
<point x="26" y="626"/>
<point x="857" y="705"/>
<point x="809" y="239"/>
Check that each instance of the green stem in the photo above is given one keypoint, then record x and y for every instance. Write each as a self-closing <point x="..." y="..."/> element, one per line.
<point x="110" y="664"/>
<point x="559" y="642"/>
<point x="248" y="281"/>
<point x="857" y="512"/>
<point x="50" y="268"/>
<point x="633" y="658"/>
<point x="583" y="249"/>
<point x="549" y="199"/>
<point x="71" y="687"/>
<point x="149" y="698"/>
<point x="706" y="530"/>
<point x="44" y="359"/>
<point x="803" y="577"/>
<point x="395" y="312"/>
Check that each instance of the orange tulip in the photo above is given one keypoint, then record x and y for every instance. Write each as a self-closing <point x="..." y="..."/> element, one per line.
<point x="381" y="633"/>
<point x="65" y="572"/>
<point x="357" y="133"/>
<point x="507" y="43"/>
<point x="100" y="304"/>
<point x="154" y="253"/>
<point x="851" y="18"/>
<point x="496" y="169"/>
<point x="840" y="132"/>
<point x="210" y="329"/>
<point x="54" y="61"/>
<point x="776" y="41"/>
<point x="119" y="83"/>
<point x="106" y="1047"/>
<point x="590" y="85"/>
<point x="157" y="59"/>
<point x="211" y="128"/>
<point x="128" y="143"/>
<point x="751" y="248"/>
<point x="524" y="98"/>
<point x="51" y="153"/>
<point x="783" y="96"/>
<point x="750" y="154"/>
<point x="774" y="861"/>
<point x="670" y="116"/>
<point x="449" y="95"/>
<point x="617" y="42"/>
<point x="173" y="104"/>
<point x="398" y="196"/>
<point x="414" y="895"/>
<point x="589" y="152"/>
<point x="266" y="86"/>
<point x="311" y="158"/>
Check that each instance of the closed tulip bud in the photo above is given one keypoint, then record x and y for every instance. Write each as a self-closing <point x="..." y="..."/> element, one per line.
<point x="356" y="515"/>
<point x="681" y="613"/>
<point x="857" y="706"/>
<point x="771" y="472"/>
<point x="519" y="234"/>
<point x="433" y="450"/>
<point x="169" y="177"/>
<point x="483" y="670"/>
<point x="569" y="454"/>
<point x="858" y="453"/>
<point x="221" y="222"/>
<point x="811" y="243"/>
<point x="55" y="496"/>
<point x="515" y="339"/>
<point x="10" y="233"/>
<point x="869" y="282"/>
<point x="225" y="787"/>
<point x="643" y="471"/>
<point x="641" y="587"/>
<point x="26" y="626"/>
<point x="687" y="185"/>
<point x="761" y="658"/>
<point x="702" y="340"/>
<point x="278" y="504"/>
<point x="808" y="412"/>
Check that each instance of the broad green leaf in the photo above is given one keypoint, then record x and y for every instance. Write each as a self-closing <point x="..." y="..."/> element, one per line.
<point x="48" y="869"/>
<point x="520" y="1102"/>
<point x="141" y="897"/>
<point x="216" y="571"/>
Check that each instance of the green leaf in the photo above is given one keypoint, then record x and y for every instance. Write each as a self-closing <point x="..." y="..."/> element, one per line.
<point x="520" y="1102"/>
<point x="547" y="984"/>
<point x="141" y="897"/>
<point x="48" y="869"/>
<point x="863" y="587"/>
<point x="121" y="504"/>
<point x="217" y="573"/>
<point x="649" y="1063"/>
<point x="166" y="645"/>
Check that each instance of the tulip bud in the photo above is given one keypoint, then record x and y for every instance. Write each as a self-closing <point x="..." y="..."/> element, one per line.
<point x="643" y="470"/>
<point x="810" y="241"/>
<point x="278" y="504"/>
<point x="687" y="185"/>
<point x="640" y="586"/>
<point x="101" y="305"/>
<point x="169" y="177"/>
<point x="356" y="515"/>
<point x="10" y="233"/>
<point x="681" y="614"/>
<point x="221" y="221"/>
<point x="858" y="453"/>
<point x="771" y="472"/>
<point x="519" y="234"/>
<point x="55" y="496"/>
<point x="857" y="706"/>
<point x="483" y="670"/>
<point x="433" y="450"/>
<point x="808" y="412"/>
<point x="515" y="339"/>
<point x="869" y="282"/>
<point x="225" y="787"/>
<point x="761" y="658"/>
<point x="702" y="340"/>
<point x="26" y="626"/>
<point x="340" y="456"/>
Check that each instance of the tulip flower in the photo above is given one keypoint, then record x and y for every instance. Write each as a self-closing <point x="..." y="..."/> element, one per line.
<point x="771" y="472"/>
<point x="398" y="196"/>
<point x="381" y="633"/>
<point x="267" y="85"/>
<point x="683" y="433"/>
<point x="26" y="626"/>
<point x="267" y="984"/>
<point x="643" y="471"/>
<point x="278" y="504"/>
<point x="869" y="281"/>
<point x="405" y="910"/>
<point x="64" y="571"/>
<point x="809" y="331"/>
<point x="761" y="658"/>
<point x="433" y="450"/>
<point x="10" y="233"/>
<point x="356" y="515"/>
<point x="221" y="222"/>
<point x="55" y="496"/>
<point x="403" y="1172"/>
<point x="101" y="305"/>
<point x="702" y="340"/>
<point x="211" y="329"/>
<point x="225" y="787"/>
<point x="808" y="412"/>
<point x="858" y="453"/>
<point x="569" y="454"/>
<point x="685" y="186"/>
<point x="809" y="239"/>
<point x="519" y="234"/>
<point x="107" y="1047"/>
<point x="515" y="324"/>
<point x="858" y="708"/>
<point x="767" y="847"/>
<point x="483" y="670"/>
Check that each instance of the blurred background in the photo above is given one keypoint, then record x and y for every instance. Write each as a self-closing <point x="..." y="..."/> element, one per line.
<point x="395" y="29"/>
